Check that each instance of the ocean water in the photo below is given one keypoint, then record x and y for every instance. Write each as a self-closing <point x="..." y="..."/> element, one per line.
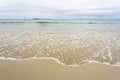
<point x="69" y="42"/>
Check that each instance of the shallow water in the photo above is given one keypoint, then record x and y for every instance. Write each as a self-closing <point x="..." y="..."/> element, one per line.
<point x="71" y="44"/>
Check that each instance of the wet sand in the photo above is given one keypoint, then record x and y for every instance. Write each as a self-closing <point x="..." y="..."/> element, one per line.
<point x="42" y="69"/>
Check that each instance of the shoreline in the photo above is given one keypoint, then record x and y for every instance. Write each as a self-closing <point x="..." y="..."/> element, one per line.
<point x="59" y="62"/>
<point x="42" y="69"/>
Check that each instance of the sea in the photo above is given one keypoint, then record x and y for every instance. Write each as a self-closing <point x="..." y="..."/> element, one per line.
<point x="68" y="42"/>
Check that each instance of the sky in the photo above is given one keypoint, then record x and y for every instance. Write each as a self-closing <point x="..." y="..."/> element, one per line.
<point x="60" y="9"/>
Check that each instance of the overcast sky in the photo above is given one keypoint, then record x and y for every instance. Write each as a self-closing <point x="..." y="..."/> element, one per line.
<point x="70" y="9"/>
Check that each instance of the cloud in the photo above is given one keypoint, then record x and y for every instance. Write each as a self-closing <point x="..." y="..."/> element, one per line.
<point x="59" y="8"/>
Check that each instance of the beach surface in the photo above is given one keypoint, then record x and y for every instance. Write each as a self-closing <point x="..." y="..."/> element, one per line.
<point x="42" y="69"/>
<point x="45" y="50"/>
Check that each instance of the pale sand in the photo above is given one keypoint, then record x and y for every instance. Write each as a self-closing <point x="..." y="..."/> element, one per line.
<point x="50" y="70"/>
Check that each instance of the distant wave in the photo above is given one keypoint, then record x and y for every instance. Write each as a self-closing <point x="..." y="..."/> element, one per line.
<point x="61" y="22"/>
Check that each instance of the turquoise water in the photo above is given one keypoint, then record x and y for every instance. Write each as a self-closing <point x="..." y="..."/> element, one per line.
<point x="88" y="21"/>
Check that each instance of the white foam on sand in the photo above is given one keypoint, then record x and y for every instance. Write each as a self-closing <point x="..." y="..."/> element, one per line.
<point x="117" y="64"/>
<point x="4" y="58"/>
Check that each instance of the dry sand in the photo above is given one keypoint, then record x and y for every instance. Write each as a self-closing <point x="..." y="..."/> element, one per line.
<point x="50" y="70"/>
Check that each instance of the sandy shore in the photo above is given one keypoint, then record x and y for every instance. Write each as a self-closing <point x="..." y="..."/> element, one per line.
<point x="50" y="70"/>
